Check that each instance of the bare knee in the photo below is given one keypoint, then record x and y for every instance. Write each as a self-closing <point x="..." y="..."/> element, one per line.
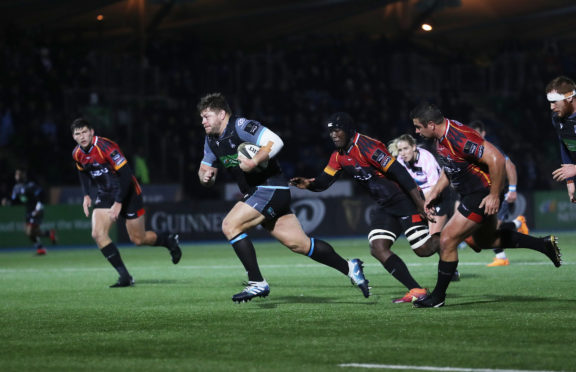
<point x="138" y="240"/>
<point x="100" y="237"/>
<point x="229" y="229"/>
<point x="431" y="246"/>
<point x="298" y="246"/>
<point x="380" y="249"/>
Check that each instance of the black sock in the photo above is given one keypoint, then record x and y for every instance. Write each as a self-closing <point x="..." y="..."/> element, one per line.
<point x="161" y="239"/>
<point x="445" y="272"/>
<point x="245" y="251"/>
<point x="113" y="256"/>
<point x="398" y="269"/>
<point x="507" y="226"/>
<point x="322" y="252"/>
<point x="514" y="239"/>
<point x="498" y="250"/>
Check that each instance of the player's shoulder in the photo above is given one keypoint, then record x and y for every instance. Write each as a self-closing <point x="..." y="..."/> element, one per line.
<point x="75" y="150"/>
<point x="106" y="145"/>
<point x="248" y="125"/>
<point x="103" y="142"/>
<point x="368" y="145"/>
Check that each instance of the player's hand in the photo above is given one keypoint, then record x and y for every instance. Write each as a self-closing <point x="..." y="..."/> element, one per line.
<point x="247" y="165"/>
<point x="114" y="211"/>
<point x="571" y="190"/>
<point x="429" y="211"/>
<point x="564" y="172"/>
<point x="491" y="204"/>
<point x="207" y="176"/>
<point x="511" y="196"/>
<point x="301" y="182"/>
<point x="86" y="204"/>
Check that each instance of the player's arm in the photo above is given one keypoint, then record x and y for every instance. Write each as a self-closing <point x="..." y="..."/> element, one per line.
<point x="125" y="182"/>
<point x="493" y="158"/>
<point x="319" y="183"/>
<point x="38" y="193"/>
<point x="567" y="171"/>
<point x="512" y="177"/>
<point x="84" y="178"/>
<point x="435" y="192"/>
<point x="399" y="174"/>
<point x="270" y="145"/>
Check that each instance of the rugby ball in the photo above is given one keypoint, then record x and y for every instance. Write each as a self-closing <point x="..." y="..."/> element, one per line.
<point x="247" y="150"/>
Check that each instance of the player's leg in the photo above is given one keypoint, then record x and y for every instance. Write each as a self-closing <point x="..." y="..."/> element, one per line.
<point x="136" y="228"/>
<point x="456" y="230"/>
<point x="384" y="230"/>
<point x="288" y="231"/>
<point x="33" y="232"/>
<point x="546" y="245"/>
<point x="500" y="258"/>
<point x="241" y="218"/>
<point x="442" y="210"/>
<point x="101" y="224"/>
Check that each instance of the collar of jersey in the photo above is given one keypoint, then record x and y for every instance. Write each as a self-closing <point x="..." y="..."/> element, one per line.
<point x="94" y="141"/>
<point x="447" y="121"/>
<point x="356" y="136"/>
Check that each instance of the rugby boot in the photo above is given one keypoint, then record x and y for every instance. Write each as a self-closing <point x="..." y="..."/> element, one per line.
<point x="429" y="301"/>
<point x="123" y="281"/>
<point x="411" y="296"/>
<point x="552" y="251"/>
<point x="253" y="289"/>
<point x="174" y="248"/>
<point x="499" y="262"/>
<point x="356" y="274"/>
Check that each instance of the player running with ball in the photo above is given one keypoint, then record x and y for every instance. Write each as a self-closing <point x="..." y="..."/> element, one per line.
<point x="266" y="198"/>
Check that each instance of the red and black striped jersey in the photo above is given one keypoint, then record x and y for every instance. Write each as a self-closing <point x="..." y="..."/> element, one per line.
<point x="368" y="160"/>
<point x="459" y="151"/>
<point x="102" y="161"/>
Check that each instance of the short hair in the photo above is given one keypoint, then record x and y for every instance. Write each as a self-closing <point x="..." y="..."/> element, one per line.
<point x="407" y="138"/>
<point x="80" y="123"/>
<point x="477" y="125"/>
<point x="561" y="84"/>
<point x="214" y="101"/>
<point x="427" y="112"/>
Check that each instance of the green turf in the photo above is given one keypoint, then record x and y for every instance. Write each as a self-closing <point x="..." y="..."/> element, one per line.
<point x="58" y="314"/>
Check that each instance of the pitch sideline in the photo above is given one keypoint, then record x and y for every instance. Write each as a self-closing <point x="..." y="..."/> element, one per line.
<point x="432" y="368"/>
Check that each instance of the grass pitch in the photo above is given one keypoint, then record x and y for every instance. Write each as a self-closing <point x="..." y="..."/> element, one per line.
<point x="58" y="314"/>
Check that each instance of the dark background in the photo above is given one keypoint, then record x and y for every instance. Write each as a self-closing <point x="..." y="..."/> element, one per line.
<point x="138" y="73"/>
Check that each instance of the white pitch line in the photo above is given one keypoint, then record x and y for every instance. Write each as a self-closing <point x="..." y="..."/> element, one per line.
<point x="272" y="266"/>
<point x="432" y="368"/>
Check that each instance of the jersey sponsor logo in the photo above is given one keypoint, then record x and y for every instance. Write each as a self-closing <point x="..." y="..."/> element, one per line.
<point x="470" y="147"/>
<point x="381" y="157"/>
<point x="229" y="161"/>
<point x="252" y="127"/>
<point x="570" y="143"/>
<point x="98" y="172"/>
<point x="117" y="157"/>
<point x="361" y="174"/>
